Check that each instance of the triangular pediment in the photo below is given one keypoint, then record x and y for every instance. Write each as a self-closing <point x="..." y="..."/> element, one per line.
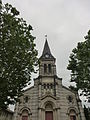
<point x="48" y="95"/>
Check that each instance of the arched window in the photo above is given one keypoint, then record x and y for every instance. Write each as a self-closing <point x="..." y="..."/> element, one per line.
<point x="72" y="115"/>
<point x="25" y="114"/>
<point x="49" y="68"/>
<point x="45" y="68"/>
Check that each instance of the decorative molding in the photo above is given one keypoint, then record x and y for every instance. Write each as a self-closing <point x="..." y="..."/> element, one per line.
<point x="48" y="94"/>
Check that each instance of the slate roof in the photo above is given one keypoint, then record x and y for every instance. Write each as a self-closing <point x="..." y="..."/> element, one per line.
<point x="46" y="51"/>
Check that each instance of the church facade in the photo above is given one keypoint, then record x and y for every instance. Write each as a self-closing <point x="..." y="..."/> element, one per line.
<point x="48" y="99"/>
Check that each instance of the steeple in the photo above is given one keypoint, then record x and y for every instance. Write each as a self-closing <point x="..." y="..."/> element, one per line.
<point x="46" y="51"/>
<point x="47" y="62"/>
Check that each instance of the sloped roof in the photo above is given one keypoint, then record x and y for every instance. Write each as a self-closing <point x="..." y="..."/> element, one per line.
<point x="46" y="51"/>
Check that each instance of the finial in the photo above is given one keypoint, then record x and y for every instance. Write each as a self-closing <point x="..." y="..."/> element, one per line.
<point x="46" y="37"/>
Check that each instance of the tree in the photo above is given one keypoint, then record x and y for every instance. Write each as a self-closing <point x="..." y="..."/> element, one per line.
<point x="79" y="64"/>
<point x="18" y="55"/>
<point x="87" y="113"/>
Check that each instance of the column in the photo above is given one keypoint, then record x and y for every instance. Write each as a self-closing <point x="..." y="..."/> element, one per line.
<point x="40" y="114"/>
<point x="58" y="114"/>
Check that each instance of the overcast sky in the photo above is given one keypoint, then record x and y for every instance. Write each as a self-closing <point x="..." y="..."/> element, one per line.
<point x="65" y="22"/>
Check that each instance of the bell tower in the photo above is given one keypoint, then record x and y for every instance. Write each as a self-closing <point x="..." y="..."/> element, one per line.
<point x="47" y="62"/>
<point x="47" y="72"/>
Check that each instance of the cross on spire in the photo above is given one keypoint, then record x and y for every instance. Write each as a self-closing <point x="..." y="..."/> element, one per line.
<point x="46" y="50"/>
<point x="46" y="37"/>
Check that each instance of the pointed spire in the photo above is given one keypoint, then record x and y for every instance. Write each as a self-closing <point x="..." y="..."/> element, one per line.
<point x="46" y="51"/>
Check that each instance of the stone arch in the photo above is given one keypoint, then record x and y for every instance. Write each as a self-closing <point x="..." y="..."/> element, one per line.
<point x="49" y="102"/>
<point x="74" y="109"/>
<point x="72" y="113"/>
<point x="49" y="107"/>
<point x="25" y="108"/>
<point x="53" y="107"/>
<point x="48" y="99"/>
<point x="25" y="112"/>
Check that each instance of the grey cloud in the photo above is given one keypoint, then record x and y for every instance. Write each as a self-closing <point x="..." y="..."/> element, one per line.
<point x="65" y="22"/>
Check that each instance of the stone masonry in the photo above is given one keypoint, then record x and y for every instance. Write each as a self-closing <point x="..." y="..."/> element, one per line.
<point x="48" y="99"/>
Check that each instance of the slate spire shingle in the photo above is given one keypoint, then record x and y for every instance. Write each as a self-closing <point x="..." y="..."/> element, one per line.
<point x="46" y="49"/>
<point x="46" y="52"/>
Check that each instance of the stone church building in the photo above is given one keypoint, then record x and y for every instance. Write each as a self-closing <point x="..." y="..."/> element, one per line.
<point x="48" y="99"/>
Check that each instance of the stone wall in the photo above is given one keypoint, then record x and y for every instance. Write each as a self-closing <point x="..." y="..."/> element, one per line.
<point x="30" y="107"/>
<point x="64" y="103"/>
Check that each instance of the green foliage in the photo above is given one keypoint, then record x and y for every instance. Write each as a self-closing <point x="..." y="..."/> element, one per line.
<point x="18" y="55"/>
<point x="73" y="88"/>
<point x="87" y="113"/>
<point x="79" y="64"/>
